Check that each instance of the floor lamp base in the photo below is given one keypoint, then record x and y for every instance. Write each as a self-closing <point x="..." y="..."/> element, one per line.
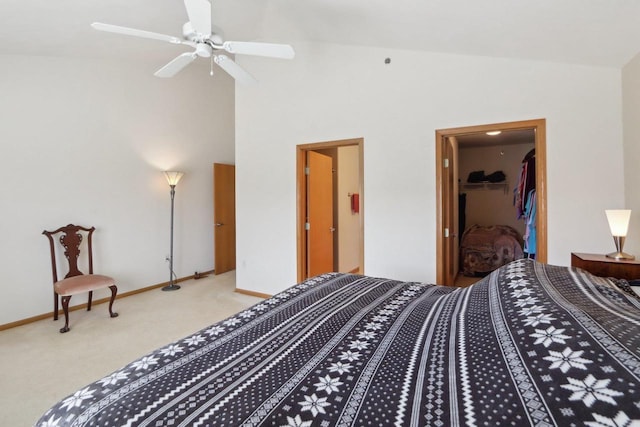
<point x="171" y="287"/>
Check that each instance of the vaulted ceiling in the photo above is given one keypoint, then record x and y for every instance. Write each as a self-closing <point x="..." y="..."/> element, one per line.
<point x="589" y="32"/>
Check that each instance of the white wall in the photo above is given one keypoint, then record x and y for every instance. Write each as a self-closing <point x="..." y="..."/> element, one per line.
<point x="84" y="142"/>
<point x="332" y="92"/>
<point x="631" y="119"/>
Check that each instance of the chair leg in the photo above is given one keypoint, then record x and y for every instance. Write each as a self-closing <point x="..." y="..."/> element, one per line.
<point x="114" y="291"/>
<point x="65" y="308"/>
<point x="55" y="306"/>
<point x="89" y="302"/>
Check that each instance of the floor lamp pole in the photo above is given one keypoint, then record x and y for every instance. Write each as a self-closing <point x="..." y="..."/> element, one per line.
<point x="172" y="286"/>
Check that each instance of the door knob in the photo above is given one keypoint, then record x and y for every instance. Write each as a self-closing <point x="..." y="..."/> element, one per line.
<point x="219" y="224"/>
<point x="332" y="229"/>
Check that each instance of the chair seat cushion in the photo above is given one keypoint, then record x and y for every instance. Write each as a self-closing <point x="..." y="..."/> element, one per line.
<point x="84" y="283"/>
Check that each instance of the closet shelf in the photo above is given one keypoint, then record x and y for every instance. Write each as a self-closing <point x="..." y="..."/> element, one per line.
<point x="504" y="186"/>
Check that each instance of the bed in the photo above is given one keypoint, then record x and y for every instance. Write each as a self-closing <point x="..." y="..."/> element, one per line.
<point x="486" y="248"/>
<point x="530" y="344"/>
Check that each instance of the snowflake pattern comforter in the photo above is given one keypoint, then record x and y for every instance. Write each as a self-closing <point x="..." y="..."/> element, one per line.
<point x="531" y="344"/>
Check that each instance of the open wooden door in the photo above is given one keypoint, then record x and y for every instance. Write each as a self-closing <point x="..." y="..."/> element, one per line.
<point x="455" y="217"/>
<point x="449" y="231"/>
<point x="320" y="227"/>
<point x="224" y="217"/>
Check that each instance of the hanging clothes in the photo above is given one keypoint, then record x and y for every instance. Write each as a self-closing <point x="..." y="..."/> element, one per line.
<point x="526" y="182"/>
<point x="519" y="191"/>
<point x="524" y="200"/>
<point x="530" y="225"/>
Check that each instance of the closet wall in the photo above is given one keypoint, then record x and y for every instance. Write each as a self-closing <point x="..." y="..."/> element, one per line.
<point x="492" y="204"/>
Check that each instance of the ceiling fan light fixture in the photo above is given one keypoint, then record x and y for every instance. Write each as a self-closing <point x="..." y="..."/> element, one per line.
<point x="216" y="39"/>
<point x="203" y="50"/>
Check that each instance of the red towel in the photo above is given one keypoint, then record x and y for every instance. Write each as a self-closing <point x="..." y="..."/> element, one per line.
<point x="355" y="203"/>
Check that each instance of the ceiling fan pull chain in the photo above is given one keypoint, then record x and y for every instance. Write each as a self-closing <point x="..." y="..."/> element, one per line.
<point x="211" y="72"/>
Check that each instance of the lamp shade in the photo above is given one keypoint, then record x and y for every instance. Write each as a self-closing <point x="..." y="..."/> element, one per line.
<point x="618" y="221"/>
<point x="173" y="177"/>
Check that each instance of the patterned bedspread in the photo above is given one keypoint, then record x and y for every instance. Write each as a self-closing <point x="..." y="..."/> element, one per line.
<point x="531" y="344"/>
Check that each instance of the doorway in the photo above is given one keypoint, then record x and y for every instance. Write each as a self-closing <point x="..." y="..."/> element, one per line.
<point x="330" y="227"/>
<point x="447" y="221"/>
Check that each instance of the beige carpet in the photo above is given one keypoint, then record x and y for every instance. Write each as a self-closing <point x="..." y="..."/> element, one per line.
<point x="40" y="366"/>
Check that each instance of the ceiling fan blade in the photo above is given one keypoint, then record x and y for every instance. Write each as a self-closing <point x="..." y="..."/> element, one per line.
<point x="234" y="70"/>
<point x="271" y="50"/>
<point x="199" y="12"/>
<point x="173" y="67"/>
<point x="133" y="32"/>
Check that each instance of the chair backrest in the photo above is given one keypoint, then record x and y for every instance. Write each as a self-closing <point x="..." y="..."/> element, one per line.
<point x="70" y="239"/>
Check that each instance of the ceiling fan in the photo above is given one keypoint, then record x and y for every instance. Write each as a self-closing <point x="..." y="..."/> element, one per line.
<point x="207" y="42"/>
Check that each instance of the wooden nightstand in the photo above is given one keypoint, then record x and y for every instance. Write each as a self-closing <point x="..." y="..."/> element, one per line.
<point x="602" y="266"/>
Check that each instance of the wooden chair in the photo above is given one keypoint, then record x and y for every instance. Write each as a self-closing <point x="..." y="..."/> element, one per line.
<point x="75" y="281"/>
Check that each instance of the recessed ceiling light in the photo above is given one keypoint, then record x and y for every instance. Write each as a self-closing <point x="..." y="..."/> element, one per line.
<point x="494" y="132"/>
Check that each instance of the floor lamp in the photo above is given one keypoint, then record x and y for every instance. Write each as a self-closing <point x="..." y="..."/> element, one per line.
<point x="172" y="178"/>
